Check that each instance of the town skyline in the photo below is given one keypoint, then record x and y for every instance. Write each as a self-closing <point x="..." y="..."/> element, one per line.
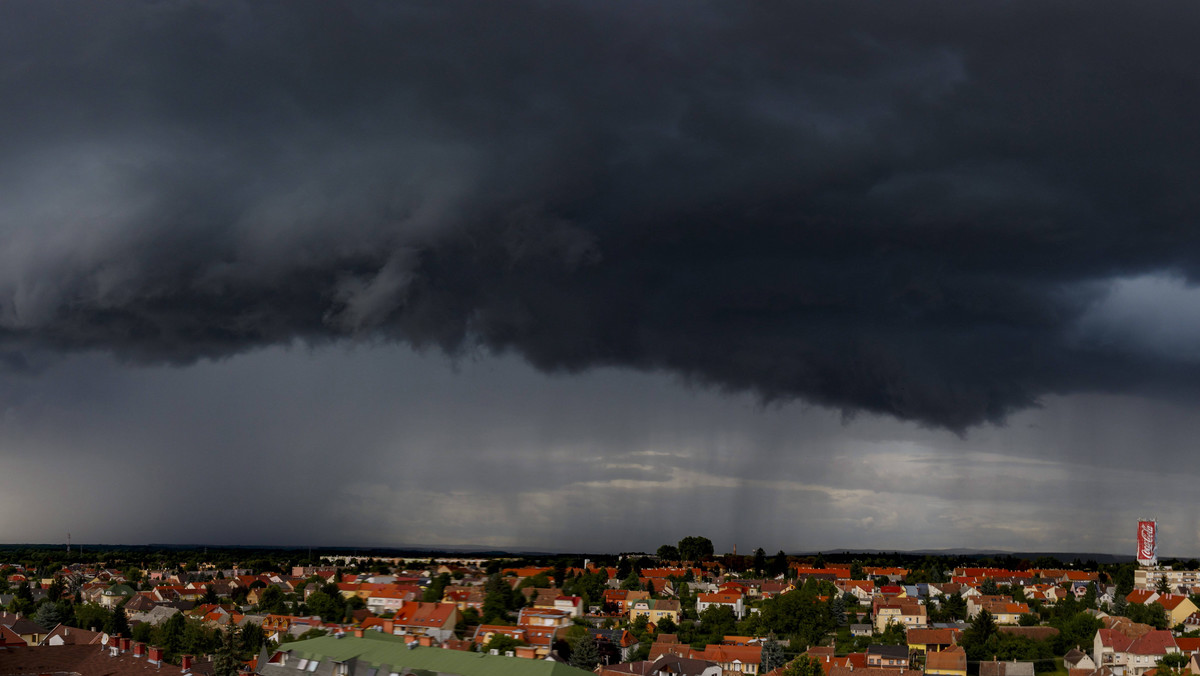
<point x="588" y="276"/>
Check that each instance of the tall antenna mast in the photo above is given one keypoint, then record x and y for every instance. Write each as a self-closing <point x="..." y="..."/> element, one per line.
<point x="68" y="543"/>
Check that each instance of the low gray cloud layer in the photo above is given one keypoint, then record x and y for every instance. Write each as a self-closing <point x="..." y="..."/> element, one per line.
<point x="906" y="210"/>
<point x="381" y="446"/>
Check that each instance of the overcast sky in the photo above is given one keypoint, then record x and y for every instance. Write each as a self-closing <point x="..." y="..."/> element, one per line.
<point x="599" y="275"/>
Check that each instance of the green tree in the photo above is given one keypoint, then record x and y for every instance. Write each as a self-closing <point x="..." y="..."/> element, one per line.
<point x="436" y="588"/>
<point x="632" y="583"/>
<point x="271" y="601"/>
<point x="50" y="615"/>
<point x="772" y="655"/>
<point x="584" y="653"/>
<point x="760" y="561"/>
<point x="779" y="564"/>
<point x="92" y="616"/>
<point x="1173" y="663"/>
<point x="225" y="661"/>
<point x="975" y="638"/>
<point x="171" y="637"/>
<point x="1162" y="587"/>
<point x="22" y="601"/>
<point x="667" y="626"/>
<point x="803" y="665"/>
<point x="716" y="622"/>
<point x="251" y="639"/>
<point x="502" y="643"/>
<point x="955" y="606"/>
<point x="143" y="632"/>
<point x="329" y="608"/>
<point x="838" y="610"/>
<point x="695" y="548"/>
<point x="55" y="591"/>
<point x="118" y="622"/>
<point x="668" y="553"/>
<point x="497" y="600"/>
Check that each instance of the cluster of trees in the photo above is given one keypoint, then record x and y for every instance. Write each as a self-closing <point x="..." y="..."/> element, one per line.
<point x="329" y="603"/>
<point x="182" y="636"/>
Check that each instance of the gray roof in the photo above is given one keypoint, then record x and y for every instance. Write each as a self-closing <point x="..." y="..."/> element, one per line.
<point x="1006" y="669"/>
<point x="896" y="652"/>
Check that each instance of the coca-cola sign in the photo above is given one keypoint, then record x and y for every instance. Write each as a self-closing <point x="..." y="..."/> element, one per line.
<point x="1145" y="542"/>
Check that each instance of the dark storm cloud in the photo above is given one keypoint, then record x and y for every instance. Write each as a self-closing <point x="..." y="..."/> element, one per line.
<point x="897" y="208"/>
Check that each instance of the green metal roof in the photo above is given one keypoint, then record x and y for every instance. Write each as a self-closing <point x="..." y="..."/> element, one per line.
<point x="379" y="649"/>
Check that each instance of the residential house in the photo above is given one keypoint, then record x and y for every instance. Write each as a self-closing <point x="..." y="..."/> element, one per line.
<point x="863" y="590"/>
<point x="1006" y="612"/>
<point x="140" y="603"/>
<point x="388" y="600"/>
<point x="614" y="645"/>
<point x="64" y="635"/>
<point x="542" y="628"/>
<point x="484" y="633"/>
<point x="118" y="594"/>
<point x="932" y="640"/>
<point x="155" y="616"/>
<point x="1129" y="655"/>
<point x="949" y="662"/>
<point x="887" y="656"/>
<point x="877" y="671"/>
<point x="1077" y="659"/>
<point x="31" y="632"/>
<point x="464" y="597"/>
<point x="732" y="601"/>
<point x="1143" y="653"/>
<point x="977" y="602"/>
<point x="1178" y="607"/>
<point x="908" y="613"/>
<point x="734" y="660"/>
<point x="426" y="619"/>
<point x="10" y="639"/>
<point x="666" y="665"/>
<point x="654" y="610"/>
<point x="891" y="573"/>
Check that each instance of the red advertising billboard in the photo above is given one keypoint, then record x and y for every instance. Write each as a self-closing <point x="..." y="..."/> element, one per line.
<point x="1146" y="535"/>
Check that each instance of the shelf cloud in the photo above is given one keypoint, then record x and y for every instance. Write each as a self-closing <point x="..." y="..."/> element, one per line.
<point x="909" y="210"/>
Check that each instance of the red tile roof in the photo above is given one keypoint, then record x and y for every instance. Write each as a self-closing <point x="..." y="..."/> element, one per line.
<point x="1170" y="601"/>
<point x="1154" y="643"/>
<point x="951" y="659"/>
<point x="85" y="660"/>
<point x="1141" y="596"/>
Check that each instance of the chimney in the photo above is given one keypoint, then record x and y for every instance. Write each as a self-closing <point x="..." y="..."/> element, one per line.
<point x="125" y="644"/>
<point x="358" y="632"/>
<point x="155" y="655"/>
<point x="139" y="649"/>
<point x="187" y="663"/>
